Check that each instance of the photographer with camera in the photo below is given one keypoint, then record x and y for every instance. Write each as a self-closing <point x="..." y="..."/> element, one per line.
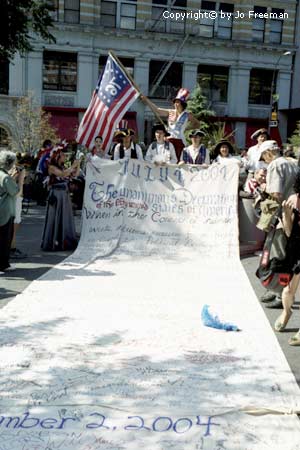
<point x="19" y="174"/>
<point x="8" y="191"/>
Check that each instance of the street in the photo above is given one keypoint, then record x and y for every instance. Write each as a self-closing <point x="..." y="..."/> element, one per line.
<point x="38" y="262"/>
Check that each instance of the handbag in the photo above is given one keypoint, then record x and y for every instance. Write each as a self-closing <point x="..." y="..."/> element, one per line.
<point x="276" y="266"/>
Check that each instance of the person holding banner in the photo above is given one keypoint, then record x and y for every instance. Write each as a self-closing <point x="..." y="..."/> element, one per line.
<point x="97" y="151"/>
<point x="161" y="151"/>
<point x="127" y="148"/>
<point x="196" y="153"/>
<point x="223" y="153"/>
<point x="178" y="119"/>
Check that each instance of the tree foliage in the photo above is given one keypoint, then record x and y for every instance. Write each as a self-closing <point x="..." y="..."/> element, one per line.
<point x="198" y="106"/>
<point x="31" y="126"/>
<point x="20" y="20"/>
<point x="295" y="138"/>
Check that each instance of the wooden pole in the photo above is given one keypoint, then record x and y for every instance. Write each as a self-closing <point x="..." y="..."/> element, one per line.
<point x="145" y="99"/>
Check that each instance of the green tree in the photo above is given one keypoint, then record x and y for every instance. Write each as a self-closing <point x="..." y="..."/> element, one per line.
<point x="295" y="138"/>
<point x="215" y="131"/>
<point x="31" y="126"/>
<point x="198" y="106"/>
<point x="20" y="21"/>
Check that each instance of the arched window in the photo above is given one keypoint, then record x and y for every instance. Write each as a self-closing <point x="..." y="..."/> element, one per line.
<point x="3" y="137"/>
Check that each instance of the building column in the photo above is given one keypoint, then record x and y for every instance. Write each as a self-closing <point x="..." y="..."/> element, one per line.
<point x="17" y="69"/>
<point x="238" y="93"/>
<point x="283" y="90"/>
<point x="34" y="78"/>
<point x="141" y="77"/>
<point x="86" y="79"/>
<point x="189" y="76"/>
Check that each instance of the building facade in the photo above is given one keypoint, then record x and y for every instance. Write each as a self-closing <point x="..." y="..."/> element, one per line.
<point x="236" y="52"/>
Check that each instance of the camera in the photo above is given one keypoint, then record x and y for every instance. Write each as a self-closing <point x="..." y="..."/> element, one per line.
<point x="296" y="268"/>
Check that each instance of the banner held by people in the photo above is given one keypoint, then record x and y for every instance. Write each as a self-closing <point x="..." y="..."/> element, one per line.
<point x="113" y="96"/>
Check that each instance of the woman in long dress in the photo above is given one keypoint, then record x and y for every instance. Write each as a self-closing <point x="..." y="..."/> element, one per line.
<point x="59" y="229"/>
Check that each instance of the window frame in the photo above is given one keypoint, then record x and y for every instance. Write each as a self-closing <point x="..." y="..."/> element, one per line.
<point x="265" y="86"/>
<point x="77" y="10"/>
<point x="168" y="90"/>
<point x="213" y="72"/>
<point x="118" y="16"/>
<point x="272" y="22"/>
<point x="212" y="28"/>
<point x="259" y="9"/>
<point x="59" y="59"/>
<point x="168" y="25"/>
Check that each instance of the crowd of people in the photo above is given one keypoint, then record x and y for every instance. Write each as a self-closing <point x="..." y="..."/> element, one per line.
<point x="271" y="179"/>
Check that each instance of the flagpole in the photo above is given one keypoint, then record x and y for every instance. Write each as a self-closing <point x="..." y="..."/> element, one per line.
<point x="145" y="99"/>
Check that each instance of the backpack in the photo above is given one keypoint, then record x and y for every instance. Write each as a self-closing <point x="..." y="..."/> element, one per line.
<point x="276" y="273"/>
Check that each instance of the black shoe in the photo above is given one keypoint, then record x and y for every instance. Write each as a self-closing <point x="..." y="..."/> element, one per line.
<point x="15" y="253"/>
<point x="267" y="297"/>
<point x="275" y="304"/>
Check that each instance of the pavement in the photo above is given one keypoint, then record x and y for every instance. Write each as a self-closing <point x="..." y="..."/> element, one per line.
<point x="39" y="262"/>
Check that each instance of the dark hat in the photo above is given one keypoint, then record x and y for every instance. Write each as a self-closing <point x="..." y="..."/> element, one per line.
<point x="195" y="133"/>
<point x="160" y="127"/>
<point x="219" y="144"/>
<point x="122" y="132"/>
<point x="259" y="132"/>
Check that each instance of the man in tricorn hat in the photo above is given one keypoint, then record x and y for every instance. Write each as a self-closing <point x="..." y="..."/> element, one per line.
<point x="127" y="148"/>
<point x="253" y="154"/>
<point x="196" y="153"/>
<point x="161" y="151"/>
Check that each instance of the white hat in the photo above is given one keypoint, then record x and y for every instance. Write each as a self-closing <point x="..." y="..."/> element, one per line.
<point x="268" y="145"/>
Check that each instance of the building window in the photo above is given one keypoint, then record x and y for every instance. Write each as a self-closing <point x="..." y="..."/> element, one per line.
<point x="4" y="76"/>
<point x="258" y="25"/>
<point x="276" y="26"/>
<point x="224" y="24"/>
<point x="128" y="63"/>
<point x="207" y="24"/>
<point x="213" y="81"/>
<point x="167" y="24"/>
<point x="169" y="84"/>
<point x="60" y="71"/>
<point x="72" y="11"/>
<point x="220" y="27"/>
<point x="118" y="14"/>
<point x="54" y="6"/>
<point x="260" y="86"/>
<point x="4" y="137"/>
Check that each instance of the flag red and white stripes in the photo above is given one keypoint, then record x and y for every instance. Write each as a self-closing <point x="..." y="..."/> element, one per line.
<point x="112" y="97"/>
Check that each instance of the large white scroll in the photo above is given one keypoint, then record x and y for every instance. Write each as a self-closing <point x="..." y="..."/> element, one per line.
<point x="107" y="351"/>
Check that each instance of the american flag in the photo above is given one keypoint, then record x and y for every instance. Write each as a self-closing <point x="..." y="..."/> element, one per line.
<point x="112" y="97"/>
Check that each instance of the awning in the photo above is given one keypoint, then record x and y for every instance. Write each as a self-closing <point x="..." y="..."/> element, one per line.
<point x="66" y="124"/>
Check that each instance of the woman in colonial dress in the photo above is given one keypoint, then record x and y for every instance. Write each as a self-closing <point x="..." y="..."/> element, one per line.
<point x="59" y="229"/>
<point x="178" y="120"/>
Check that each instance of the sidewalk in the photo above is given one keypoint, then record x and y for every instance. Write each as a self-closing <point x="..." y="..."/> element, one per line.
<point x="38" y="262"/>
